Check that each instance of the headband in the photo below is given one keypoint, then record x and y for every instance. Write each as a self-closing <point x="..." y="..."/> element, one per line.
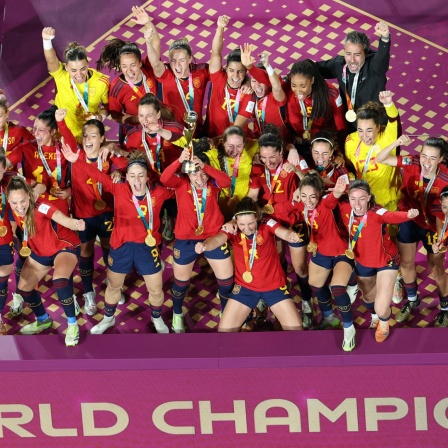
<point x="245" y="213"/>
<point x="139" y="162"/>
<point x="321" y="138"/>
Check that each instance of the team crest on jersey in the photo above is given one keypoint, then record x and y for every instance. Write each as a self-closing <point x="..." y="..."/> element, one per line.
<point x="197" y="82"/>
<point x="236" y="289"/>
<point x="260" y="240"/>
<point x="92" y="91"/>
<point x="283" y="173"/>
<point x="149" y="83"/>
<point x="133" y="98"/>
<point x="166" y="143"/>
<point x="110" y="261"/>
<point x="106" y="166"/>
<point x="176" y="253"/>
<point x="153" y="201"/>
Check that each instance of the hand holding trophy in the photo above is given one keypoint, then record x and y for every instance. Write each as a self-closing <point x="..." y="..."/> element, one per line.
<point x="190" y="118"/>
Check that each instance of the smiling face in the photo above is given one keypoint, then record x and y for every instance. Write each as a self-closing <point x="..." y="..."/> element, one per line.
<point x="236" y="72"/>
<point x="234" y="145"/>
<point x="359" y="201"/>
<point x="308" y="195"/>
<point x="43" y="133"/>
<point x="368" y="131"/>
<point x="261" y="90"/>
<point x="78" y="70"/>
<point x="247" y="224"/>
<point x="131" y="68"/>
<point x="137" y="177"/>
<point x="180" y="63"/>
<point x="321" y="152"/>
<point x="270" y="157"/>
<point x="147" y="115"/>
<point x="91" y="140"/>
<point x="354" y="56"/>
<point x="429" y="161"/>
<point x="3" y="118"/>
<point x="19" y="202"/>
<point x="301" y="86"/>
<point x="198" y="179"/>
<point x="444" y="204"/>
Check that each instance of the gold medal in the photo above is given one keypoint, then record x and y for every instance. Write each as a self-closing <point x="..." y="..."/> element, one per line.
<point x="54" y="190"/>
<point x="442" y="250"/>
<point x="350" y="254"/>
<point x="199" y="230"/>
<point x="312" y="247"/>
<point x="150" y="240"/>
<point x="268" y="209"/>
<point x="100" y="204"/>
<point x="248" y="277"/>
<point x="25" y="251"/>
<point x="307" y="135"/>
<point x="350" y="116"/>
<point x="3" y="230"/>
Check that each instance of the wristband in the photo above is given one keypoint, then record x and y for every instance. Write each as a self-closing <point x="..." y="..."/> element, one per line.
<point x="385" y="38"/>
<point x="47" y="44"/>
<point x="270" y="71"/>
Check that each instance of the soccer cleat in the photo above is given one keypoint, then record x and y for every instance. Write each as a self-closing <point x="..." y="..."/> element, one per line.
<point x="178" y="325"/>
<point x="72" y="335"/>
<point x="37" y="326"/>
<point x="442" y="319"/>
<point x="382" y="331"/>
<point x="160" y="325"/>
<point x="17" y="304"/>
<point x="352" y="292"/>
<point x="307" y="313"/>
<point x="102" y="326"/>
<point x="76" y="305"/>
<point x="329" y="322"/>
<point x="406" y="310"/>
<point x="348" y="343"/>
<point x="397" y="295"/>
<point x="374" y="321"/>
<point x="2" y="327"/>
<point x="89" y="303"/>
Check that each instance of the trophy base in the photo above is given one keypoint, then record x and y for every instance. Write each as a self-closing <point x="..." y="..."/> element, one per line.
<point x="188" y="167"/>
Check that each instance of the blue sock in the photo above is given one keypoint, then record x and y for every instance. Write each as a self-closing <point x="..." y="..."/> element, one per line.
<point x="156" y="311"/>
<point x="109" y="310"/>
<point x="33" y="299"/>
<point x="385" y="319"/>
<point x="178" y="291"/>
<point x="65" y="295"/>
<point x="411" y="290"/>
<point x="86" y="272"/>
<point x="3" y="291"/>
<point x="343" y="303"/>
<point x="18" y="268"/>
<point x="225" y="287"/>
<point x="324" y="298"/>
<point x="105" y="256"/>
<point x="305" y="288"/>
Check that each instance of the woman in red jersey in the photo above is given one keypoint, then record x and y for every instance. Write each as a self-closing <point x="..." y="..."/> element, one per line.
<point x="48" y="241"/>
<point x="135" y="237"/>
<point x="89" y="202"/>
<point x="136" y="78"/>
<point x="424" y="177"/>
<point x="376" y="255"/>
<point x="198" y="218"/>
<point x="11" y="134"/>
<point x="258" y="272"/>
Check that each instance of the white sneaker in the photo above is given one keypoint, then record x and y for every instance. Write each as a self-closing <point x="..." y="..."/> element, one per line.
<point x="89" y="303"/>
<point x="17" y="304"/>
<point x="102" y="326"/>
<point x="76" y="305"/>
<point x="374" y="321"/>
<point x="397" y="295"/>
<point x="160" y="325"/>
<point x="348" y="344"/>
<point x="178" y="325"/>
<point x="122" y="299"/>
<point x="352" y="291"/>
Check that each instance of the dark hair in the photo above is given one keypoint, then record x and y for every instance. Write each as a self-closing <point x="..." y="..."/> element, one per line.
<point x="314" y="180"/>
<point x="200" y="147"/>
<point x="356" y="37"/>
<point x="361" y="184"/>
<point x="4" y="104"/>
<point x="75" y="52"/>
<point x="137" y="158"/>
<point x="271" y="137"/>
<point x="372" y="110"/>
<point x="181" y="44"/>
<point x="438" y="143"/>
<point x="231" y="130"/>
<point x="98" y="124"/>
<point x="444" y="192"/>
<point x="234" y="56"/>
<point x="247" y="206"/>
<point x="151" y="100"/>
<point x="323" y="137"/>
<point x="17" y="183"/>
<point x="48" y="116"/>
<point x="112" y="52"/>
<point x="321" y="93"/>
<point x="2" y="157"/>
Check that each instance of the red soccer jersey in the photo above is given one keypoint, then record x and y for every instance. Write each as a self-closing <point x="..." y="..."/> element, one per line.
<point x="217" y="120"/>
<point x="373" y="248"/>
<point x="187" y="220"/>
<point x="413" y="192"/>
<point x="16" y="135"/>
<point x="124" y="99"/>
<point x="200" y="76"/>
<point x="50" y="237"/>
<point x="266" y="270"/>
<point x="167" y="153"/>
<point x="128" y="226"/>
<point x="4" y="210"/>
<point x="333" y="173"/>
<point x="335" y="120"/>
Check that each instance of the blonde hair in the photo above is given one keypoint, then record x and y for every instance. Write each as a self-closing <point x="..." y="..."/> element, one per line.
<point x="18" y="183"/>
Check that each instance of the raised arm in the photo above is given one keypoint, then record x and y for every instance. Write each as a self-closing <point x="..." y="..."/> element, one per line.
<point x="48" y="34"/>
<point x="380" y="61"/>
<point x="153" y="55"/>
<point x="142" y="18"/>
<point x="277" y="89"/>
<point x="215" y="63"/>
<point x="385" y="157"/>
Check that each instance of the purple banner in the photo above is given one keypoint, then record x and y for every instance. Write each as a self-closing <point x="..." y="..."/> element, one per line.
<point x="267" y="407"/>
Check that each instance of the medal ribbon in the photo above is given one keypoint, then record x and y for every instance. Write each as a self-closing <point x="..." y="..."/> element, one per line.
<point x="187" y="106"/>
<point x="5" y="137"/>
<point x="261" y="120"/>
<point x="442" y="237"/>
<point x="306" y="123"/>
<point x="157" y="165"/>
<point x="83" y="101"/>
<point x="352" y="242"/>
<point x="56" y="181"/>
<point x="234" y="114"/>
<point x="148" y="227"/>
<point x="426" y="191"/>
<point x="324" y="173"/>
<point x="2" y="207"/>
<point x="350" y="100"/>
<point x="310" y="222"/>
<point x="367" y="161"/>
<point x="274" y="180"/>
<point x="249" y="260"/>
<point x="200" y="208"/>
<point x="97" y="186"/>
<point x="236" y="165"/>
<point x="137" y="90"/>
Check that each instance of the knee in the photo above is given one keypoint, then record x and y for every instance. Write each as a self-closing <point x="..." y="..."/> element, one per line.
<point x="302" y="270"/>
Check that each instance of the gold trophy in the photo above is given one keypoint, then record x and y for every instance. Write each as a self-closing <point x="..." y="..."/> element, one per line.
<point x="190" y="118"/>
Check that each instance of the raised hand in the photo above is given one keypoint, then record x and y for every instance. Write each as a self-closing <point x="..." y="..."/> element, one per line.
<point x="246" y="55"/>
<point x="223" y="21"/>
<point x="140" y="15"/>
<point x="68" y="153"/>
<point x="48" y="33"/>
<point x="403" y="140"/>
<point x="60" y="114"/>
<point x="382" y="29"/>
<point x="264" y="59"/>
<point x="386" y="97"/>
